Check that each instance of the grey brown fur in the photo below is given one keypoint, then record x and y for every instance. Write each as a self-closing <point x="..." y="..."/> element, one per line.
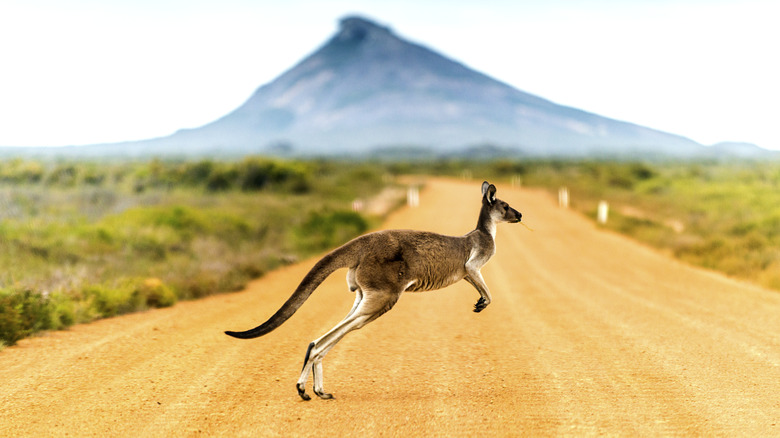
<point x="384" y="264"/>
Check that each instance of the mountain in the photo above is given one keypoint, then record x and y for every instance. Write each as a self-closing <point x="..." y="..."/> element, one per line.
<point x="742" y="150"/>
<point x="367" y="90"/>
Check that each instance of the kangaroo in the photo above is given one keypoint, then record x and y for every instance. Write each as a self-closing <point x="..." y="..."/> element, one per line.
<point x="384" y="264"/>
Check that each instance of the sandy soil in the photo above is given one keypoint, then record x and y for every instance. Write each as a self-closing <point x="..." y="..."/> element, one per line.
<point x="588" y="334"/>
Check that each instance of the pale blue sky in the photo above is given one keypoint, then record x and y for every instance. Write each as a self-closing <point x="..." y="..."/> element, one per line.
<point x="89" y="71"/>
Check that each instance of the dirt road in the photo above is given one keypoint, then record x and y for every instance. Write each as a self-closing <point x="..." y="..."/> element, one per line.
<point x="588" y="334"/>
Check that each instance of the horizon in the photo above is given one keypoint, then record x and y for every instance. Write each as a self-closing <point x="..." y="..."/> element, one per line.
<point x="104" y="72"/>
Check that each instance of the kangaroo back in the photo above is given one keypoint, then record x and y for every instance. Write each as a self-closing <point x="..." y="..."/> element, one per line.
<point x="341" y="257"/>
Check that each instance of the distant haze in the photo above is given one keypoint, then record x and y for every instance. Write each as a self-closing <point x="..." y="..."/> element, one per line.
<point x="85" y="72"/>
<point x="367" y="91"/>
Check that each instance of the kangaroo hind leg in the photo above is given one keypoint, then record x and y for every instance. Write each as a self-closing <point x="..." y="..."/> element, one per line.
<point x="370" y="307"/>
<point x="309" y="366"/>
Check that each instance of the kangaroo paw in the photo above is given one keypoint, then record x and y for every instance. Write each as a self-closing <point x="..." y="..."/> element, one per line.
<point x="323" y="395"/>
<point x="302" y="392"/>
<point x="481" y="304"/>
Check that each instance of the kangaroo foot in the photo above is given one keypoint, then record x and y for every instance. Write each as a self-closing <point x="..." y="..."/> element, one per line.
<point x="302" y="392"/>
<point x="481" y="304"/>
<point x="323" y="395"/>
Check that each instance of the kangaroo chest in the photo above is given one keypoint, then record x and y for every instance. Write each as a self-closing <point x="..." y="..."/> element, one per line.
<point x="434" y="268"/>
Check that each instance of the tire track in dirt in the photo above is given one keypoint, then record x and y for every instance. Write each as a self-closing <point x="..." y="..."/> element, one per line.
<point x="588" y="334"/>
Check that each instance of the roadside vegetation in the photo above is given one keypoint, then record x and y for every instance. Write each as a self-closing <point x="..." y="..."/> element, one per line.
<point x="720" y="216"/>
<point x="83" y="241"/>
<point x="724" y="217"/>
<point x="89" y="240"/>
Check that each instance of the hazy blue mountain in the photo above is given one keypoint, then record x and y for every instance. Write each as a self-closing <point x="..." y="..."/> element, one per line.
<point x="368" y="90"/>
<point x="742" y="150"/>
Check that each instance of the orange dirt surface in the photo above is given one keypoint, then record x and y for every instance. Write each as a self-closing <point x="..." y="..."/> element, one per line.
<point x="589" y="333"/>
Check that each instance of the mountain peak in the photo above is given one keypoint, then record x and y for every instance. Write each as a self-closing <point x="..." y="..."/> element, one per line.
<point x="357" y="29"/>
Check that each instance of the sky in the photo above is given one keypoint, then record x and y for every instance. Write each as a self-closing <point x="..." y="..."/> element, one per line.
<point x="76" y="72"/>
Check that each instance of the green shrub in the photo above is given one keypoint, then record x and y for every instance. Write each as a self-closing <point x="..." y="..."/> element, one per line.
<point x="220" y="180"/>
<point x="10" y="320"/>
<point x="35" y="312"/>
<point x="325" y="230"/>
<point x="506" y="168"/>
<point x="197" y="173"/>
<point x="148" y="247"/>
<point x="63" y="312"/>
<point x="152" y="292"/>
<point x="179" y="218"/>
<point x="111" y="301"/>
<point x="258" y="174"/>
<point x="21" y="172"/>
<point x="22" y="313"/>
<point x="64" y="175"/>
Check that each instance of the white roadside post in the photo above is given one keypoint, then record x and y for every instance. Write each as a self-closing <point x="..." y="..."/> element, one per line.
<point x="603" y="212"/>
<point x="413" y="197"/>
<point x="563" y="197"/>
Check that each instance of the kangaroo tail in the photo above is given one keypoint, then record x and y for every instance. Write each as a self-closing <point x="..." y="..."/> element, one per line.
<point x="338" y="258"/>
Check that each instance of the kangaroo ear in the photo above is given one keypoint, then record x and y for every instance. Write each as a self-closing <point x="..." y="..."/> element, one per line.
<point x="491" y="195"/>
<point x="485" y="186"/>
<point x="489" y="192"/>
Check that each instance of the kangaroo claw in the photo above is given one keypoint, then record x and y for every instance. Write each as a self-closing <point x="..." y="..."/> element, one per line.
<point x="323" y="395"/>
<point x="302" y="392"/>
<point x="481" y="304"/>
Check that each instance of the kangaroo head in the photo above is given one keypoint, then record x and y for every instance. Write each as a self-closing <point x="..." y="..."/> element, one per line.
<point x="498" y="210"/>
